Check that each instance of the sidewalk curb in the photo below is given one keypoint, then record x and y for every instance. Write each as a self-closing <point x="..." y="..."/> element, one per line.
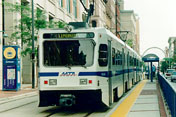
<point x="121" y="100"/>
<point x="18" y="97"/>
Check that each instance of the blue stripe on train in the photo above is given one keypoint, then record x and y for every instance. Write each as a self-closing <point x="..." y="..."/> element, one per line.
<point x="102" y="73"/>
<point x="46" y="74"/>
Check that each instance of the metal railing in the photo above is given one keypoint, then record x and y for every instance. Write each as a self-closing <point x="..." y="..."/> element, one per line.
<point x="169" y="94"/>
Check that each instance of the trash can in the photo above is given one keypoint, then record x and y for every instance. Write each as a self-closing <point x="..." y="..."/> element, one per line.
<point x="11" y="68"/>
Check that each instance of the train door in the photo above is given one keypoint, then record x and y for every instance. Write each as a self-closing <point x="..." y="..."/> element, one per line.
<point x="104" y="65"/>
<point x="136" y="70"/>
<point x="123" y="66"/>
<point x="133" y="70"/>
<point x="128" y="75"/>
<point x="110" y="75"/>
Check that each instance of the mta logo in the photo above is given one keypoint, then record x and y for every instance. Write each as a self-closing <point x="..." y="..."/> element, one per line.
<point x="68" y="74"/>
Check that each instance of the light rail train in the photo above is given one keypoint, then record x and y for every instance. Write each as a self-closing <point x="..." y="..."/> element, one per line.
<point x="84" y="65"/>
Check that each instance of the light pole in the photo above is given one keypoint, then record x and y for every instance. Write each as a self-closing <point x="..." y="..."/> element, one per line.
<point x="33" y="52"/>
<point x="4" y="35"/>
<point x="116" y="17"/>
<point x="3" y="22"/>
<point x="90" y="10"/>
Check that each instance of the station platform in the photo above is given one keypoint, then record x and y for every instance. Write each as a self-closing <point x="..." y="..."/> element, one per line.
<point x="25" y="91"/>
<point x="144" y="100"/>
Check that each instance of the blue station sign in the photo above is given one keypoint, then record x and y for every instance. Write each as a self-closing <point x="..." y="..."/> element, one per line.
<point x="150" y="59"/>
<point x="11" y="68"/>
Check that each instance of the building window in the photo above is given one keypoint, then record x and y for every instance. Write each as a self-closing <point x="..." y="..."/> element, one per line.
<point x="84" y="1"/>
<point x="105" y="1"/>
<point x="51" y="18"/>
<point x="60" y="3"/>
<point x="94" y="23"/>
<point x="24" y="3"/>
<point x="68" y="6"/>
<point x="51" y="23"/>
<point x="75" y="8"/>
<point x="118" y="58"/>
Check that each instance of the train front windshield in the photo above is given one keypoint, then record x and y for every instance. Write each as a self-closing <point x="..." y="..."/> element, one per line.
<point x="68" y="53"/>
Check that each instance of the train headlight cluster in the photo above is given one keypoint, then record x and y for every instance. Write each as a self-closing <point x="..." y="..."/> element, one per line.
<point x="52" y="81"/>
<point x="90" y="81"/>
<point x="85" y="82"/>
<point x="45" y="82"/>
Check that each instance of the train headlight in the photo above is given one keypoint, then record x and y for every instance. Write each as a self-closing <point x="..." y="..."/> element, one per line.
<point x="52" y="81"/>
<point x="45" y="82"/>
<point x="83" y="81"/>
<point x="90" y="81"/>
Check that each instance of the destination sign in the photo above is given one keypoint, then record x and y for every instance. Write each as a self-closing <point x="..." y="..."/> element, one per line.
<point x="68" y="35"/>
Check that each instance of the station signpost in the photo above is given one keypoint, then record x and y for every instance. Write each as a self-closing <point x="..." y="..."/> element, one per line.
<point x="11" y="68"/>
<point x="156" y="59"/>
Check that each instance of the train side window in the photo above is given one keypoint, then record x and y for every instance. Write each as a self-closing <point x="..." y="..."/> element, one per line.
<point x="134" y="61"/>
<point x="121" y="59"/>
<point x="131" y="61"/>
<point x="124" y="59"/>
<point x="103" y="55"/>
<point x="141" y="64"/>
<point x="118" y="59"/>
<point x="113" y="56"/>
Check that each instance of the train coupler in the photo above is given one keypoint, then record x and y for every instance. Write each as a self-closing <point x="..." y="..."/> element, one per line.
<point x="67" y="100"/>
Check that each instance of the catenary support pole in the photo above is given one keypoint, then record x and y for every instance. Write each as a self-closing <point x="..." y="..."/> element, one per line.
<point x="33" y="52"/>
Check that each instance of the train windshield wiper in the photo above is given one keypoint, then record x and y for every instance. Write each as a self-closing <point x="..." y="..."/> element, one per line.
<point x="68" y="66"/>
<point x="84" y="66"/>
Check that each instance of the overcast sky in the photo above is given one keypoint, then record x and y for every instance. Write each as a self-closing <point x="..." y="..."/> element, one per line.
<point x="157" y="22"/>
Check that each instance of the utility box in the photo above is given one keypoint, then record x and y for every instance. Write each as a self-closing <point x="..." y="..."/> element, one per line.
<point x="11" y="68"/>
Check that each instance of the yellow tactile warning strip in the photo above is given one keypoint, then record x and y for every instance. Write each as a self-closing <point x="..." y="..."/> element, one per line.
<point x="123" y="109"/>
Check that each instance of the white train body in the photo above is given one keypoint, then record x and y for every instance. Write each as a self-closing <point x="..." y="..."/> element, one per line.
<point x="84" y="65"/>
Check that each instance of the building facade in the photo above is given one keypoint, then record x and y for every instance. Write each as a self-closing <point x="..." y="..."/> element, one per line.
<point x="128" y="23"/>
<point x="137" y="44"/>
<point x="118" y="22"/>
<point x="110" y="15"/>
<point x="121" y="4"/>
<point x="1" y="41"/>
<point x="166" y="52"/>
<point x="172" y="47"/>
<point x="99" y="17"/>
<point x="107" y="13"/>
<point x="57" y="10"/>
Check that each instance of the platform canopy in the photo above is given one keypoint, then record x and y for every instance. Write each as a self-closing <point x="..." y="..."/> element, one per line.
<point x="150" y="58"/>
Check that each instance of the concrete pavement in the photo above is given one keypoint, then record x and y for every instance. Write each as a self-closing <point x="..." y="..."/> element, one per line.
<point x="144" y="100"/>
<point x="25" y="91"/>
<point x="146" y="105"/>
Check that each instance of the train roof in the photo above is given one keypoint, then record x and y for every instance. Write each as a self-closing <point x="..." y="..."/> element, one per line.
<point x="95" y="30"/>
<point x="119" y="40"/>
